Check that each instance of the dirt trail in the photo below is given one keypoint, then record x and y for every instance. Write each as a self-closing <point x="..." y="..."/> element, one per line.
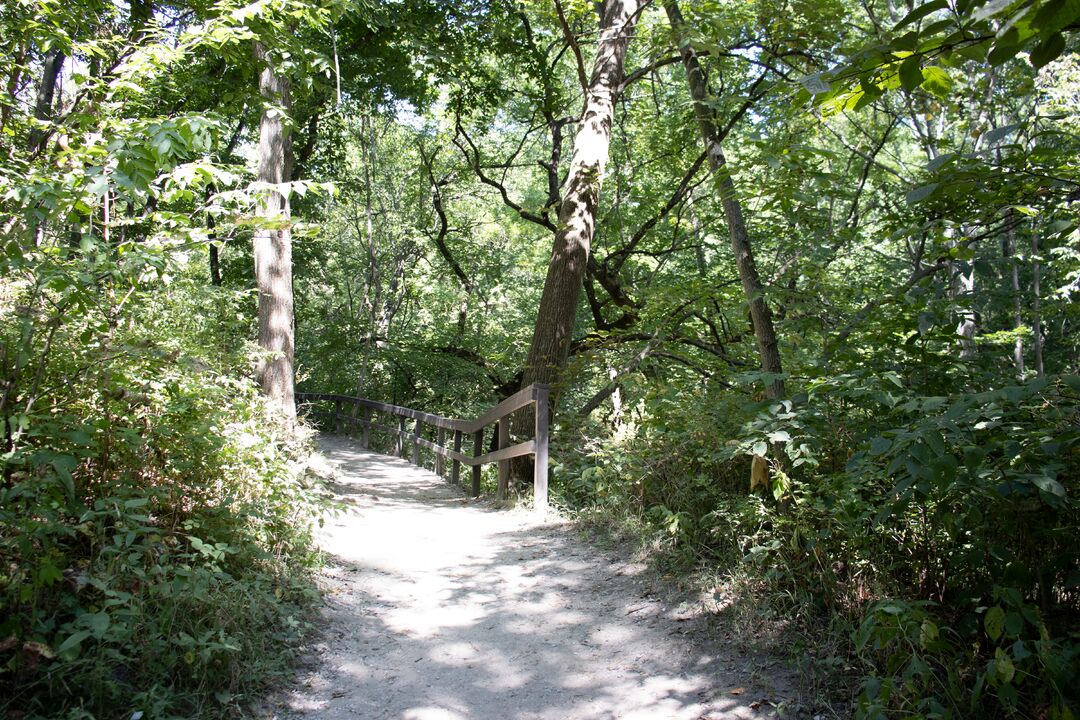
<point x="441" y="608"/>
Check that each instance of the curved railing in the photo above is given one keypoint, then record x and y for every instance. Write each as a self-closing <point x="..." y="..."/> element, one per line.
<point x="365" y="415"/>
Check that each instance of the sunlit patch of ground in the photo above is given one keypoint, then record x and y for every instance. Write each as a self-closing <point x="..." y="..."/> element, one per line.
<point x="442" y="608"/>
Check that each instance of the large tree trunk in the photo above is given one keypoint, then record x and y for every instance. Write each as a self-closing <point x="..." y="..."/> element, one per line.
<point x="760" y="314"/>
<point x="577" y="213"/>
<point x="577" y="222"/>
<point x="273" y="244"/>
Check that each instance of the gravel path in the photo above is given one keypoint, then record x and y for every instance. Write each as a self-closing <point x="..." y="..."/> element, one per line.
<point x="442" y="608"/>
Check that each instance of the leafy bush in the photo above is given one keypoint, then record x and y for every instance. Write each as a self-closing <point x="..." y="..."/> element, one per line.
<point x="155" y="516"/>
<point x="937" y="531"/>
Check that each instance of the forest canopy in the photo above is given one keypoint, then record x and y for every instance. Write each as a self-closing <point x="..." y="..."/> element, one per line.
<point x="802" y="275"/>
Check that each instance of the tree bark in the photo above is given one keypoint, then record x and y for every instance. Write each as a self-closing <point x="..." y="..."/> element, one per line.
<point x="50" y="72"/>
<point x="1036" y="306"/>
<point x="963" y="290"/>
<point x="273" y="243"/>
<point x="577" y="212"/>
<point x="760" y="315"/>
<point x="1008" y="251"/>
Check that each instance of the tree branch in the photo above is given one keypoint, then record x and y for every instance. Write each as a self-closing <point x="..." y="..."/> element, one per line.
<point x="572" y="42"/>
<point x="472" y="156"/>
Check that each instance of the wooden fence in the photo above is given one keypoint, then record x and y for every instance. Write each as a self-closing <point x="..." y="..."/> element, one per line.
<point x="370" y="416"/>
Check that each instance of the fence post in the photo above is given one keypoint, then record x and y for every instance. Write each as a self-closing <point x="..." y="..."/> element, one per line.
<point x="440" y="461"/>
<point x="477" y="451"/>
<point x="540" y="464"/>
<point x="337" y="416"/>
<point x="416" y="443"/>
<point x="455" y="469"/>
<point x="366" y="437"/>
<point x="503" y="429"/>
<point x="400" y="444"/>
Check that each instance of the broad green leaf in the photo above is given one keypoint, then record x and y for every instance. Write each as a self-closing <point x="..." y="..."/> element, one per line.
<point x="911" y="75"/>
<point x="1048" y="485"/>
<point x="97" y="623"/>
<point x="920" y="193"/>
<point x="920" y="12"/>
<point x="69" y="649"/>
<point x="1048" y="50"/>
<point x="937" y="81"/>
<point x="1004" y="666"/>
<point x="994" y="622"/>
<point x="992" y="137"/>
<point x="1055" y="15"/>
<point x="1005" y="47"/>
<point x="64" y="464"/>
<point x="992" y="8"/>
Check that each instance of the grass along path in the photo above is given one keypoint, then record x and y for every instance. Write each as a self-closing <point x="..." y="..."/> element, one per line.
<point x="442" y="608"/>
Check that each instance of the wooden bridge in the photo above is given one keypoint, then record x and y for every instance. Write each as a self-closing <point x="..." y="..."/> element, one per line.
<point x="432" y="432"/>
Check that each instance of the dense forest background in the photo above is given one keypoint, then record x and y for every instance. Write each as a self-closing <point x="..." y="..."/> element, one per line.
<point x="803" y="275"/>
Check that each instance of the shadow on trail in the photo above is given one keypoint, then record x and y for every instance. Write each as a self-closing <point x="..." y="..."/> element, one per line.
<point x="449" y="611"/>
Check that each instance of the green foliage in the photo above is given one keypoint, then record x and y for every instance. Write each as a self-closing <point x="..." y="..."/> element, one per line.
<point x="155" y="517"/>
<point x="154" y="550"/>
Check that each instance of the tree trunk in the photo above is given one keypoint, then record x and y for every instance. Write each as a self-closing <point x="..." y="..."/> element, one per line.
<point x="760" y="314"/>
<point x="215" y="261"/>
<point x="17" y="53"/>
<point x="50" y="72"/>
<point x="1008" y="251"/>
<point x="273" y="244"/>
<point x="577" y="213"/>
<point x="964" y="294"/>
<point x="1036" y="306"/>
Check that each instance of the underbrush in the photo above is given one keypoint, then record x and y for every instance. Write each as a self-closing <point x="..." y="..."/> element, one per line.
<point x="916" y="554"/>
<point x="156" y="518"/>
<point x="157" y="561"/>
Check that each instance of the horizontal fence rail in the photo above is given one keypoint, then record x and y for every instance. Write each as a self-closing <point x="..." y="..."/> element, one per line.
<point x="372" y="416"/>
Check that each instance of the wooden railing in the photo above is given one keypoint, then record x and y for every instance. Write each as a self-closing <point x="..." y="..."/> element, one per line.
<point x="365" y="414"/>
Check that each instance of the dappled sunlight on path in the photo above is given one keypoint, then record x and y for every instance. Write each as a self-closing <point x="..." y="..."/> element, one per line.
<point x="440" y="607"/>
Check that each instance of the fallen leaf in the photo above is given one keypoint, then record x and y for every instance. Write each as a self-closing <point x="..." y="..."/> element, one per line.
<point x="738" y="691"/>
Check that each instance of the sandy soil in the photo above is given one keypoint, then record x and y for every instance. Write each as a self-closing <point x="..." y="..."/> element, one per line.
<point x="444" y="608"/>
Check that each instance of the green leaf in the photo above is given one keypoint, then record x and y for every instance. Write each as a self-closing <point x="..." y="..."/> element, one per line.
<point x="999" y="133"/>
<point x="920" y="12"/>
<point x="97" y="622"/>
<point x="937" y="81"/>
<point x="1048" y="50"/>
<point x="1048" y="485"/>
<point x="911" y="74"/>
<point x="994" y="622"/>
<point x="1014" y="624"/>
<point x="760" y="448"/>
<point x="69" y="649"/>
<point x="64" y="464"/>
<point x="991" y="8"/>
<point x="1004" y="666"/>
<point x="1055" y="15"/>
<point x="870" y="93"/>
<point x="1005" y="47"/>
<point x="880" y="445"/>
<point x="928" y="633"/>
<point x="920" y="193"/>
